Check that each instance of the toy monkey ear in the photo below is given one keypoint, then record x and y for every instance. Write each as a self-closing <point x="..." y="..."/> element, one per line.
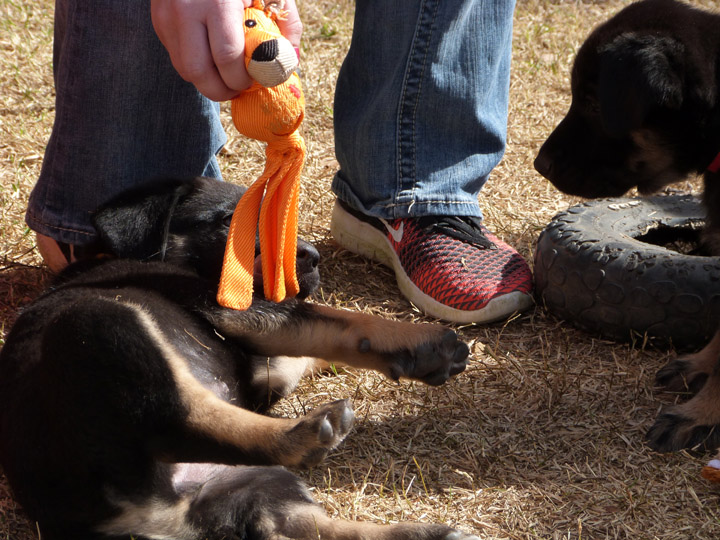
<point x="275" y="9"/>
<point x="273" y="5"/>
<point x="638" y="73"/>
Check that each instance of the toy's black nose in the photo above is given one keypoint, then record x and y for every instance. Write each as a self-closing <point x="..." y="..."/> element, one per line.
<point x="266" y="51"/>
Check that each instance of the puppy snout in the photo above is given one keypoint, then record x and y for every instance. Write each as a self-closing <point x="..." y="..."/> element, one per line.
<point x="307" y="258"/>
<point x="306" y="264"/>
<point x="266" y="51"/>
<point x="544" y="164"/>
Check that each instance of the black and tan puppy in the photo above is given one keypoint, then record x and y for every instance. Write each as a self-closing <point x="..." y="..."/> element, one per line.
<point x="645" y="113"/>
<point x="130" y="402"/>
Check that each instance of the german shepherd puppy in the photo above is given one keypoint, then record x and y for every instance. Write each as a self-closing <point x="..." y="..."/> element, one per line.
<point x="130" y="401"/>
<point x="645" y="113"/>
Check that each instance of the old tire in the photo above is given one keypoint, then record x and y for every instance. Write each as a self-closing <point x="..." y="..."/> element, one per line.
<point x="604" y="267"/>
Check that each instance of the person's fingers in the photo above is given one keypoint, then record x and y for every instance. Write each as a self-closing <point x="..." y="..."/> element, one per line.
<point x="206" y="41"/>
<point x="161" y="16"/>
<point x="291" y="27"/>
<point x="226" y="35"/>
<point x="196" y="64"/>
<point x="183" y="28"/>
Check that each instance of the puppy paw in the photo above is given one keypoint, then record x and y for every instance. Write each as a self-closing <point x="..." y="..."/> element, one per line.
<point x="432" y="362"/>
<point x="680" y="376"/>
<point x="673" y="431"/>
<point x="315" y="434"/>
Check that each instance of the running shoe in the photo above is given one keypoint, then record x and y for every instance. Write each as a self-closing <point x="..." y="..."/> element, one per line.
<point x="450" y="267"/>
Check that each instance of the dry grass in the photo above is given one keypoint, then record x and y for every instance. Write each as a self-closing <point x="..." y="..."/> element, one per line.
<point x="541" y="437"/>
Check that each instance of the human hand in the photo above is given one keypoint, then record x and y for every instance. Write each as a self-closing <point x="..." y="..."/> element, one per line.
<point x="291" y="27"/>
<point x="206" y="41"/>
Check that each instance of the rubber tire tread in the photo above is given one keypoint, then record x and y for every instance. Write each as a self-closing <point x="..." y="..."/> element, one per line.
<point x="592" y="270"/>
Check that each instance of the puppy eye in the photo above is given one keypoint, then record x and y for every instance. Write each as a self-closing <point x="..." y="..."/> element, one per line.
<point x="227" y="219"/>
<point x="250" y="23"/>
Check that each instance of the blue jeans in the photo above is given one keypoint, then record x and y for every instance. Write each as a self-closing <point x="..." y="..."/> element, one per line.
<point x="421" y="105"/>
<point x="123" y="116"/>
<point x="420" y="110"/>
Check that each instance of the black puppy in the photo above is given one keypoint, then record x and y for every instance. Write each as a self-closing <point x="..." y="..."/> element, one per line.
<point x="645" y="110"/>
<point x="127" y="393"/>
<point x="185" y="222"/>
<point x="645" y="113"/>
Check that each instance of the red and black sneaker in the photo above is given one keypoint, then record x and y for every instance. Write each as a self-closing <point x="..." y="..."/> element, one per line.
<point x="452" y="268"/>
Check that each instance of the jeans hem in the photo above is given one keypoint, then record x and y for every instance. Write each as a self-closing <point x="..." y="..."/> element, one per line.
<point x="67" y="235"/>
<point x="416" y="208"/>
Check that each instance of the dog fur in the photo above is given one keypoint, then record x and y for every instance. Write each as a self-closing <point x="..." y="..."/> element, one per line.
<point x="645" y="113"/>
<point x="645" y="109"/>
<point x="131" y="402"/>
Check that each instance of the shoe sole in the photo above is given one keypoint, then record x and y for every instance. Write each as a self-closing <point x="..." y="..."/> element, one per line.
<point x="369" y="242"/>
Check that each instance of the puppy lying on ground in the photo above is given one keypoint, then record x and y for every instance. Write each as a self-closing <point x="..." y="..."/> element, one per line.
<point x="645" y="113"/>
<point x="130" y="401"/>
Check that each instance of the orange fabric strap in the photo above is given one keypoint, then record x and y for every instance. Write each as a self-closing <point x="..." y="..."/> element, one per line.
<point x="270" y="205"/>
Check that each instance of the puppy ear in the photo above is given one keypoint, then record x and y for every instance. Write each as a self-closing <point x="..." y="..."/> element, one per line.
<point x="134" y="224"/>
<point x="638" y="73"/>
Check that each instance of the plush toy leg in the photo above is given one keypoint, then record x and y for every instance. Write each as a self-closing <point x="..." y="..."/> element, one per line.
<point x="270" y="205"/>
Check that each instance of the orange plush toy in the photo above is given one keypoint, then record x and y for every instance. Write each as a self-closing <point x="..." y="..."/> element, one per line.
<point x="271" y="110"/>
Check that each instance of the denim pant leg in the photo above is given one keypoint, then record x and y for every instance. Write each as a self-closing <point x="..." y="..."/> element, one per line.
<point x="421" y="105"/>
<point x="123" y="116"/>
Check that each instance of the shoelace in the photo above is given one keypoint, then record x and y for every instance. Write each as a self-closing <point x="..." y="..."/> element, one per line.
<point x="464" y="228"/>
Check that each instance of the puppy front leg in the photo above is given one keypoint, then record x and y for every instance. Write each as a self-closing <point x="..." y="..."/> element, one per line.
<point x="695" y="423"/>
<point x="213" y="430"/>
<point x="427" y="352"/>
<point x="688" y="372"/>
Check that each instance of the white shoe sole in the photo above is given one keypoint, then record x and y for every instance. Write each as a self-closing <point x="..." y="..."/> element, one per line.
<point x="364" y="239"/>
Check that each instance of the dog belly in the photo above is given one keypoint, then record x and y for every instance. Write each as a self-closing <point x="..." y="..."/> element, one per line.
<point x="191" y="476"/>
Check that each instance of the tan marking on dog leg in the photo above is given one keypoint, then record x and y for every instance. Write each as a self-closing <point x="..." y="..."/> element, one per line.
<point x="281" y="440"/>
<point x="704" y="408"/>
<point x="156" y="519"/>
<point x="338" y="338"/>
<point x="706" y="360"/>
<point x="687" y="373"/>
<point x="310" y="522"/>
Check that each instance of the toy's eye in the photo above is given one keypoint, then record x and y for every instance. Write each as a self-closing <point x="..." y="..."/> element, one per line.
<point x="250" y="23"/>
